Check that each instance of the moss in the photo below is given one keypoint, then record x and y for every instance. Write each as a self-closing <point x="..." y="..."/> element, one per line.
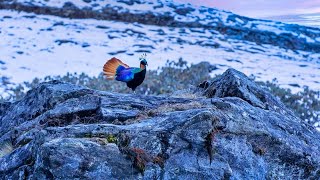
<point x="112" y="139"/>
<point x="101" y="138"/>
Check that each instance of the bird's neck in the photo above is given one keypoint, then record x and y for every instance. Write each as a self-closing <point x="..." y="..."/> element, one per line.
<point x="142" y="66"/>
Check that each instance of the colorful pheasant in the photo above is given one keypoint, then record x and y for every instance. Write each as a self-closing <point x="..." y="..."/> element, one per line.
<point x="116" y="69"/>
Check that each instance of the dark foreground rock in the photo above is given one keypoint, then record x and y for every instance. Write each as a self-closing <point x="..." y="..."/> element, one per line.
<point x="239" y="131"/>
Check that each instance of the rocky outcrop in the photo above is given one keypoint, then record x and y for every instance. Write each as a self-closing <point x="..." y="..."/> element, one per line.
<point x="238" y="131"/>
<point x="236" y="84"/>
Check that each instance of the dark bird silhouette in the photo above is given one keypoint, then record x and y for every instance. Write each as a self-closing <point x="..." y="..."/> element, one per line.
<point x="133" y="76"/>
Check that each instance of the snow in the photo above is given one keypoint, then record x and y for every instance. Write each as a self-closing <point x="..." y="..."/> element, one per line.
<point x="39" y="45"/>
<point x="199" y="14"/>
<point x="30" y="48"/>
<point x="267" y="27"/>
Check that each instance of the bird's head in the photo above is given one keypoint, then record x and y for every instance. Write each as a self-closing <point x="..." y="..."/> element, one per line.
<point x="143" y="61"/>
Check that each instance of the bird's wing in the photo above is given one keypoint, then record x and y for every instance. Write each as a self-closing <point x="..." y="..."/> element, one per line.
<point x="127" y="74"/>
<point x="112" y="67"/>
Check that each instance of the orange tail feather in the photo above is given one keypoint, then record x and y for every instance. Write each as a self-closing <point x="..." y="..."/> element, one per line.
<point x="110" y="68"/>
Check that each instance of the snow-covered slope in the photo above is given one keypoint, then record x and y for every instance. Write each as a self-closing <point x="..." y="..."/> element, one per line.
<point x="168" y="13"/>
<point x="45" y="42"/>
<point x="312" y="19"/>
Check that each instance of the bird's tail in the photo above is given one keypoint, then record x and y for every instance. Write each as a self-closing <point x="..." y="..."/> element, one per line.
<point x="111" y="67"/>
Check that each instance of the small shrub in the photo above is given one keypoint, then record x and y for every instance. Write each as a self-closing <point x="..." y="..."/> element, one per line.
<point x="141" y="158"/>
<point x="305" y="104"/>
<point x="159" y="160"/>
<point x="209" y="139"/>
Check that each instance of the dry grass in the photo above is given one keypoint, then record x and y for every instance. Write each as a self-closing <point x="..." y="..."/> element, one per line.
<point x="165" y="108"/>
<point x="141" y="158"/>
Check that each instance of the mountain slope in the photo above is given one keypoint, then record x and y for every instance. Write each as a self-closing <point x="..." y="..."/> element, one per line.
<point x="38" y="44"/>
<point x="167" y="13"/>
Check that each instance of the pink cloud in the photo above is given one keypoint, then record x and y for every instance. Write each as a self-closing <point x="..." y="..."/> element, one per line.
<point x="260" y="8"/>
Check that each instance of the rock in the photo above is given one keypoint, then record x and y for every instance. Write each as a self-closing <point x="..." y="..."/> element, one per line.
<point x="76" y="158"/>
<point x="3" y="107"/>
<point x="236" y="84"/>
<point x="38" y="102"/>
<point x="183" y="10"/>
<point x="64" y="41"/>
<point x="236" y="131"/>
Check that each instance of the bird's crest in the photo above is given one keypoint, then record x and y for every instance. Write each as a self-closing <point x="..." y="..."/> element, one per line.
<point x="143" y="57"/>
<point x="143" y="61"/>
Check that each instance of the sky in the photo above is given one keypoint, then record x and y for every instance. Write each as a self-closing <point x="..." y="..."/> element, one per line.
<point x="262" y="8"/>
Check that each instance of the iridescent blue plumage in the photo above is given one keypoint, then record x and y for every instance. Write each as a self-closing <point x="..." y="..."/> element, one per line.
<point x="120" y="68"/>
<point x="126" y="74"/>
<point x="116" y="69"/>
